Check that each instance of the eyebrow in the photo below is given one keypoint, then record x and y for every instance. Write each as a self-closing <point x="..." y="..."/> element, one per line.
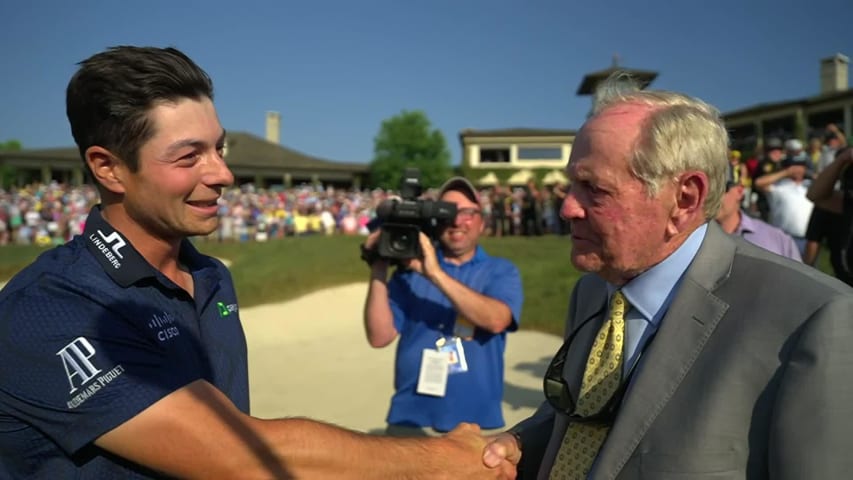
<point x="190" y="142"/>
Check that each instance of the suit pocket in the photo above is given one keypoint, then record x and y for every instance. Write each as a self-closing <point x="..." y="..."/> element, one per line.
<point x="692" y="466"/>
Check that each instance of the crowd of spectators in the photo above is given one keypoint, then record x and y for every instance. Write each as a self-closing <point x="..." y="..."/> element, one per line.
<point x="777" y="178"/>
<point x="42" y="214"/>
<point x="51" y="214"/>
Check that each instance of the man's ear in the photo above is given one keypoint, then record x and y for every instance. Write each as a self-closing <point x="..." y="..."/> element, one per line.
<point x="106" y="168"/>
<point x="690" y="195"/>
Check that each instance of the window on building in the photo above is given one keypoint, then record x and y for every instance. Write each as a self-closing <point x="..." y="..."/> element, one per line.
<point x="743" y="138"/>
<point x="540" y="153"/>
<point x="817" y="122"/>
<point x="781" y="128"/>
<point x="494" y="155"/>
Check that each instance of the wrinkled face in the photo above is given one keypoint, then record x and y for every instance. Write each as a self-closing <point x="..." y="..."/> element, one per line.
<point x="618" y="231"/>
<point x="181" y="172"/>
<point x="730" y="203"/>
<point x="460" y="239"/>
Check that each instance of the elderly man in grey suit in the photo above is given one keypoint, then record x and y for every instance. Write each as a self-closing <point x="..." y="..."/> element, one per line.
<point x="689" y="353"/>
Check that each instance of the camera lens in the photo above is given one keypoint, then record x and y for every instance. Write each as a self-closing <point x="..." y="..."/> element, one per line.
<point x="401" y="242"/>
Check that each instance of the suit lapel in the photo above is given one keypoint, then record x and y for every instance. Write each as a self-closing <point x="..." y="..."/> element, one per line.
<point x="683" y="332"/>
<point x="591" y="301"/>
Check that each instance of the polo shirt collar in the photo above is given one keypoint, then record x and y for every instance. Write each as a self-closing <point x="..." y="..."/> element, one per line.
<point x="123" y="263"/>
<point x="479" y="256"/>
<point x="747" y="224"/>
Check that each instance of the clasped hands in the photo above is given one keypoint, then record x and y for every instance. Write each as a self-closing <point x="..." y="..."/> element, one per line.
<point x="495" y="456"/>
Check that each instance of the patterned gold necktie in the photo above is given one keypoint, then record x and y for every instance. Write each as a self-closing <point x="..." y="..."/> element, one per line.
<point x="601" y="379"/>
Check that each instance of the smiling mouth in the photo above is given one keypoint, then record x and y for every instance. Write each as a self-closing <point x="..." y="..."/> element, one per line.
<point x="202" y="203"/>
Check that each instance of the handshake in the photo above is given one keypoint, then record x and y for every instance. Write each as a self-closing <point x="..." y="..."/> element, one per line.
<point x="497" y="455"/>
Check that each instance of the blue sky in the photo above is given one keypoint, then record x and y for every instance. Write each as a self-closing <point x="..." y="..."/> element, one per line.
<point x="336" y="69"/>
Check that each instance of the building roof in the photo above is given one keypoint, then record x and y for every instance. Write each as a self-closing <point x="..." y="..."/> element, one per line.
<point x="65" y="156"/>
<point x="591" y="80"/>
<point x="244" y="151"/>
<point x="781" y="105"/>
<point x="517" y="132"/>
<point x="247" y="150"/>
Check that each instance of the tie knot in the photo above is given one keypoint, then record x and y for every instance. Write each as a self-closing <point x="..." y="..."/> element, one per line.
<point x="618" y="305"/>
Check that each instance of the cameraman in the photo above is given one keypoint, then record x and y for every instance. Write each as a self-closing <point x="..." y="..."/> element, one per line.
<point x="455" y="303"/>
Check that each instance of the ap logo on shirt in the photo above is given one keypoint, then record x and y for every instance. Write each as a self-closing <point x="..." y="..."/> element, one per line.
<point x="80" y="370"/>
<point x="76" y="359"/>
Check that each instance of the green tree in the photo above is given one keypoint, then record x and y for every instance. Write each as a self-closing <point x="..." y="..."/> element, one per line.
<point x="408" y="140"/>
<point x="11" y="145"/>
<point x="7" y="173"/>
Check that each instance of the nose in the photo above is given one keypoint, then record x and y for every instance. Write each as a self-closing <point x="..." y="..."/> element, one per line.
<point x="571" y="207"/>
<point x="218" y="174"/>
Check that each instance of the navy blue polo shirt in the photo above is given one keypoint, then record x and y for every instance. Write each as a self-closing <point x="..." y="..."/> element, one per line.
<point x="92" y="335"/>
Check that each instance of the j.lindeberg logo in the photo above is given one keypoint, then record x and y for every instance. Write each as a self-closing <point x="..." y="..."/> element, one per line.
<point x="111" y="252"/>
<point x="77" y="359"/>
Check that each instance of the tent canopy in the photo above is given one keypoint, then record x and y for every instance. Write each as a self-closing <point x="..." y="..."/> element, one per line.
<point x="488" y="180"/>
<point x="555" y="177"/>
<point x="520" y="177"/>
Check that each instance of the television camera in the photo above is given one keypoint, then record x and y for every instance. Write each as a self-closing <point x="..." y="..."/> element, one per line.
<point x="402" y="220"/>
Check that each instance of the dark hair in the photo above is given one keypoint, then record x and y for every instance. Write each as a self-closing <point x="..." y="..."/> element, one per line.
<point x="108" y="99"/>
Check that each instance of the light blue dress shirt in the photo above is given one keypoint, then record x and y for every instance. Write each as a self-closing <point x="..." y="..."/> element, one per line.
<point x="650" y="294"/>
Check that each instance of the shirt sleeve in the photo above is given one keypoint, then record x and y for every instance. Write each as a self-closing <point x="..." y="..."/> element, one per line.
<point x="76" y="366"/>
<point x="398" y="299"/>
<point x="505" y="286"/>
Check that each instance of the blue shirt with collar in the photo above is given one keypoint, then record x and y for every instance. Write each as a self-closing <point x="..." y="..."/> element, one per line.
<point x="93" y="335"/>
<point x="651" y="293"/>
<point x="422" y="315"/>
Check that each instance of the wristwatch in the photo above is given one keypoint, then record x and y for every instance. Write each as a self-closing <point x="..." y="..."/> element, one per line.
<point x="517" y="438"/>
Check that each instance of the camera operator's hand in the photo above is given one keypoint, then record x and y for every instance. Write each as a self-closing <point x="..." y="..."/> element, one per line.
<point x="372" y="240"/>
<point x="377" y="264"/>
<point x="427" y="265"/>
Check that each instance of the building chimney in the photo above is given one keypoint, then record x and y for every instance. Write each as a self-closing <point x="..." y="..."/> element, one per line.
<point x="833" y="74"/>
<point x="274" y="127"/>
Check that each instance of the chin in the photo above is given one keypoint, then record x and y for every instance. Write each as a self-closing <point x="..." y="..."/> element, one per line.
<point x="202" y="228"/>
<point x="586" y="262"/>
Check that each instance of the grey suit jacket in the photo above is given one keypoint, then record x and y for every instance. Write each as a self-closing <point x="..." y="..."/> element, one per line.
<point x="750" y="376"/>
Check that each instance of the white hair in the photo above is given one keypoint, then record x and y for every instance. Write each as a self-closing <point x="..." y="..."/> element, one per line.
<point x="681" y="133"/>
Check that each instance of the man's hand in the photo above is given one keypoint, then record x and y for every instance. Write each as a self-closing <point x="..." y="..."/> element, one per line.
<point x="427" y="265"/>
<point x="379" y="265"/>
<point x="796" y="171"/>
<point x="503" y="447"/>
<point x="466" y="440"/>
<point x="372" y="241"/>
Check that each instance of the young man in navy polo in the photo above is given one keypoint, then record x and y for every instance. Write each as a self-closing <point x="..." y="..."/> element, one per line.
<point x="123" y="353"/>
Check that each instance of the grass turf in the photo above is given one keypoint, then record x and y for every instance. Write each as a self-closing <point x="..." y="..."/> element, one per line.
<point x="283" y="269"/>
